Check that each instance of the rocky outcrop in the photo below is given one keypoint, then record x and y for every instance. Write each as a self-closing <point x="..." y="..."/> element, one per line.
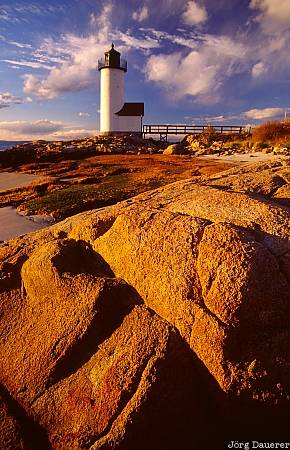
<point x="174" y="149"/>
<point x="148" y="323"/>
<point x="43" y="151"/>
<point x="10" y="430"/>
<point x="269" y="180"/>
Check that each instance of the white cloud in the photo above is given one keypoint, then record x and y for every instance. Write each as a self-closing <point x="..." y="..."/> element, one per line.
<point x="15" y="43"/>
<point x="175" y="72"/>
<point x="201" y="72"/>
<point x="19" y="44"/>
<point x="31" y="64"/>
<point x="264" y="113"/>
<point x="7" y="99"/>
<point x="207" y="61"/>
<point x="194" y="14"/>
<point x="41" y="129"/>
<point x="269" y="57"/>
<point x="78" y="56"/>
<point x="84" y="114"/>
<point x="141" y="14"/>
<point x="215" y="119"/>
<point x="258" y="70"/>
<point x="6" y="17"/>
<point x="133" y="42"/>
<point x="76" y="133"/>
<point x="64" y="79"/>
<point x="18" y="13"/>
<point x="28" y="130"/>
<point x="93" y="19"/>
<point x="274" y="14"/>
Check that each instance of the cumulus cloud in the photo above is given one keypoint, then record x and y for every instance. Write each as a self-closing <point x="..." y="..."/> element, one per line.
<point x="274" y="14"/>
<point x="57" y="82"/>
<point x="264" y="113"/>
<point x="199" y="73"/>
<point x="270" y="57"/>
<point x="258" y="70"/>
<point x="194" y="14"/>
<point x="41" y="129"/>
<point x="175" y="72"/>
<point x="198" y="66"/>
<point x="141" y="14"/>
<point x="7" y="99"/>
<point x="78" y="56"/>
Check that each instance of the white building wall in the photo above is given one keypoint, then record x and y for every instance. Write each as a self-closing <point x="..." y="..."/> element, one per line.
<point x="130" y="123"/>
<point x="111" y="99"/>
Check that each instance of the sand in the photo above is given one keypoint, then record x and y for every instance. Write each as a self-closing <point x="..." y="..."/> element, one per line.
<point x="244" y="157"/>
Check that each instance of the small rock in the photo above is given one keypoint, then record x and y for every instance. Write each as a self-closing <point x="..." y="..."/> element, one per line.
<point x="174" y="149"/>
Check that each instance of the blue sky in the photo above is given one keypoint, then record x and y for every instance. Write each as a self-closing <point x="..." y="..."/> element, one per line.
<point x="215" y="61"/>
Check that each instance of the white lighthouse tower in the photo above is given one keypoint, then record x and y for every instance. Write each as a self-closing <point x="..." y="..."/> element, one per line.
<point x="116" y="117"/>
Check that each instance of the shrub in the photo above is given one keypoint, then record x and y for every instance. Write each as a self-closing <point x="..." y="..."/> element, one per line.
<point x="261" y="145"/>
<point x="209" y="135"/>
<point x="272" y="132"/>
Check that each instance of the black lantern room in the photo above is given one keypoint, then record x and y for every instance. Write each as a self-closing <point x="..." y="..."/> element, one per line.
<point x="112" y="60"/>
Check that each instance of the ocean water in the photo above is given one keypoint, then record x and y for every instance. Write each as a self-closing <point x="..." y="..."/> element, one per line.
<point x="13" y="224"/>
<point x="8" y="144"/>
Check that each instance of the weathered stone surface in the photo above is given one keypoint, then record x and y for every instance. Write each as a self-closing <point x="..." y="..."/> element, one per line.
<point x="123" y="327"/>
<point x="67" y="301"/>
<point x="264" y="178"/>
<point x="18" y="431"/>
<point x="85" y="368"/>
<point x="10" y="433"/>
<point x="174" y="149"/>
<point x="217" y="273"/>
<point x="131" y="372"/>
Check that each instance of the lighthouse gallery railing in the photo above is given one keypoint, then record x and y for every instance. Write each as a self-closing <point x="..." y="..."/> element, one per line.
<point x="102" y="63"/>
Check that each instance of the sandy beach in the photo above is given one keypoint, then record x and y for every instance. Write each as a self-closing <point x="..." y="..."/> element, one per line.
<point x="244" y="157"/>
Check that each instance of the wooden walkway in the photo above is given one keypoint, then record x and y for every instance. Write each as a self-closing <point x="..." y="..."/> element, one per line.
<point x="165" y="130"/>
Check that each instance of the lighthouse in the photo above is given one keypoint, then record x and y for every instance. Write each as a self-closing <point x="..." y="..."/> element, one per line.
<point x="116" y="116"/>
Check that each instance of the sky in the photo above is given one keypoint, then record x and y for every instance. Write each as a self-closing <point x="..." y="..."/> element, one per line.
<point x="190" y="62"/>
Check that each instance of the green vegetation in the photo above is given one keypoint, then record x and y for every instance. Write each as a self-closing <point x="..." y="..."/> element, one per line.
<point x="72" y="181"/>
<point x="78" y="198"/>
<point x="260" y="145"/>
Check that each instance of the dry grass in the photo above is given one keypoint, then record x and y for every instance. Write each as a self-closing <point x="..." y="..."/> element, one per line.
<point x="272" y="132"/>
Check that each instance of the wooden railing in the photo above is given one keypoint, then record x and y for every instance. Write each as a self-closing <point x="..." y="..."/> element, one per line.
<point x="164" y="130"/>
